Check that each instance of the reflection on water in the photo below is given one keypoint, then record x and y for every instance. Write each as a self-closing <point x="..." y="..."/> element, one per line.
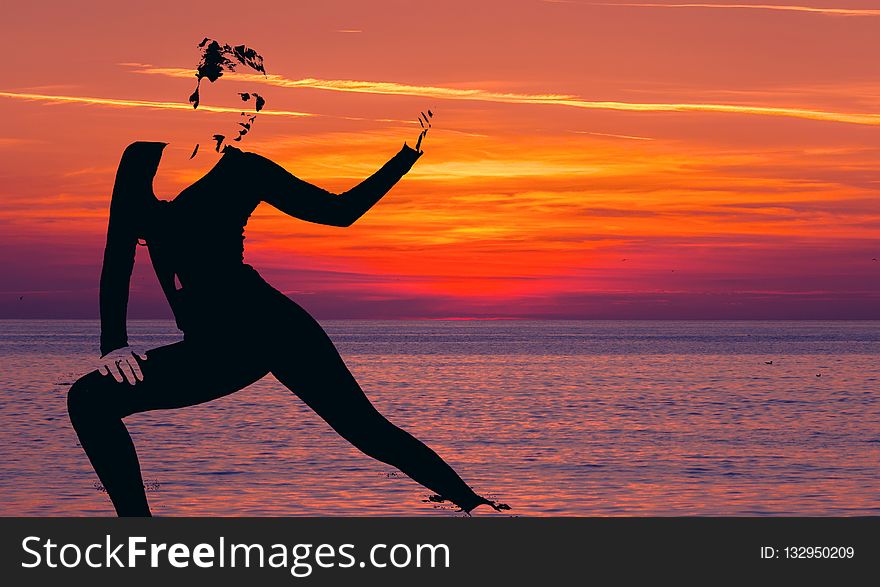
<point x="555" y="418"/>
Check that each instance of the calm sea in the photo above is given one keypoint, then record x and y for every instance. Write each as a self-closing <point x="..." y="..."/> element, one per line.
<point x="554" y="418"/>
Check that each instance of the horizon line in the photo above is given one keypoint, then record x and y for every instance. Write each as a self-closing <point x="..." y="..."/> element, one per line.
<point x="504" y="319"/>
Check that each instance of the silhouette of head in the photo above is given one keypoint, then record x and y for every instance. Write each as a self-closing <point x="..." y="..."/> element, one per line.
<point x="216" y="59"/>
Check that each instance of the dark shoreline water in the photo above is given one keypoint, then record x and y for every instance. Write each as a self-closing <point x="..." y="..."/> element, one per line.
<point x="554" y="417"/>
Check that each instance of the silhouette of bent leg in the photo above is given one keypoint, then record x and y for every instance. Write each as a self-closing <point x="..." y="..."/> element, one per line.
<point x="107" y="443"/>
<point x="175" y="376"/>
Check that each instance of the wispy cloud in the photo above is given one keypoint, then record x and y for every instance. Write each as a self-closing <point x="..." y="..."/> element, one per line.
<point x="778" y="7"/>
<point x="16" y="141"/>
<point x="613" y="136"/>
<point x="124" y="103"/>
<point x="446" y="93"/>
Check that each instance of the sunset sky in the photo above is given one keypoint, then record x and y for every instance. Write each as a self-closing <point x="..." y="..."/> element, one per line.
<point x="588" y="160"/>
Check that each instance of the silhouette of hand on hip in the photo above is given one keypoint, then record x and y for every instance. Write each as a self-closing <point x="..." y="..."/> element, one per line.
<point x="122" y="365"/>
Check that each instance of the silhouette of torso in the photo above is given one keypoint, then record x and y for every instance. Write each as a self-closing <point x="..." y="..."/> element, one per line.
<point x="204" y="224"/>
<point x="196" y="239"/>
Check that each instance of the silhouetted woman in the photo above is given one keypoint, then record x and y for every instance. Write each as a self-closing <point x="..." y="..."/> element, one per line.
<point x="236" y="327"/>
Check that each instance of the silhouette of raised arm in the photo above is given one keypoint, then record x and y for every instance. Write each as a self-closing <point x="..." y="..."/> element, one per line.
<point x="305" y="201"/>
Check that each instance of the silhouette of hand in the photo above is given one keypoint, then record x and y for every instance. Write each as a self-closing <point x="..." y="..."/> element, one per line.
<point x="425" y="123"/>
<point x="122" y="364"/>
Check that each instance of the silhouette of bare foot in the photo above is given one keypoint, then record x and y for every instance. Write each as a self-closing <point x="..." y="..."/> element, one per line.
<point x="497" y="506"/>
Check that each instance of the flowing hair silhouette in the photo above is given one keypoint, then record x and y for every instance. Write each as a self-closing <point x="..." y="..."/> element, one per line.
<point x="236" y="327"/>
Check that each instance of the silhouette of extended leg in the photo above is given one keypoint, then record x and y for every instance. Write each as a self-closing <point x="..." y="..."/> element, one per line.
<point x="312" y="368"/>
<point x="175" y="376"/>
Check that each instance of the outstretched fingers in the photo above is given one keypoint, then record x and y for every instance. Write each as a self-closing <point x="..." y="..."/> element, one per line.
<point x="425" y="123"/>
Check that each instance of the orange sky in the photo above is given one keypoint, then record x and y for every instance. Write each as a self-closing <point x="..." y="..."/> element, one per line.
<point x="589" y="160"/>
